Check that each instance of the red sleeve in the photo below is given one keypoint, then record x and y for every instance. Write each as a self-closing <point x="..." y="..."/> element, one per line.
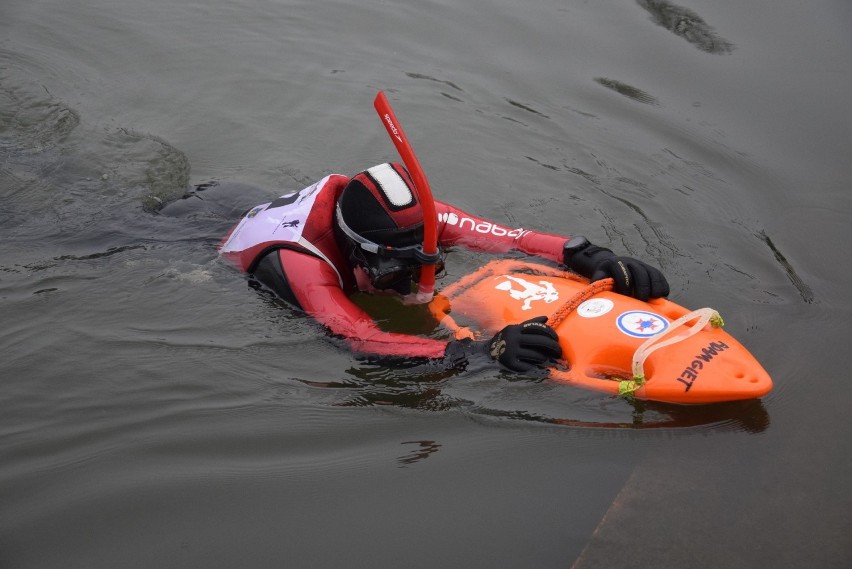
<point x="456" y="227"/>
<point x="315" y="285"/>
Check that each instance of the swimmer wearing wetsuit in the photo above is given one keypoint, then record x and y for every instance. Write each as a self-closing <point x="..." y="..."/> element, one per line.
<point x="316" y="247"/>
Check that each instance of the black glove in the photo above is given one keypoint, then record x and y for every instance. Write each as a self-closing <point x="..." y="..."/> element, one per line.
<point x="632" y="277"/>
<point x="521" y="347"/>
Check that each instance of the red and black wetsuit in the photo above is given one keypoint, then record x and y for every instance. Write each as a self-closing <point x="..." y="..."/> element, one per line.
<point x="289" y="245"/>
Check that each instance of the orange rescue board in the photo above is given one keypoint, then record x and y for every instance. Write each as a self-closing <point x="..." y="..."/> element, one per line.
<point x="601" y="331"/>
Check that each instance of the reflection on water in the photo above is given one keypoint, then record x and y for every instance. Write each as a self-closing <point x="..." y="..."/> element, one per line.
<point x="748" y="416"/>
<point x="535" y="401"/>
<point x="685" y="23"/>
<point x="420" y="452"/>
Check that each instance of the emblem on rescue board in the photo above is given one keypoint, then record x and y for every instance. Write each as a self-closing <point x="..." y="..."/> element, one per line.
<point x="595" y="307"/>
<point x="641" y="324"/>
<point x="522" y="289"/>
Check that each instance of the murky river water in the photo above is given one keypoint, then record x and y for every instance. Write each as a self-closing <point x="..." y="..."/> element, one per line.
<point x="155" y="411"/>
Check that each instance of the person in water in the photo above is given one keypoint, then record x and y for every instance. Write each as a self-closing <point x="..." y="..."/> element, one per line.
<point x="316" y="247"/>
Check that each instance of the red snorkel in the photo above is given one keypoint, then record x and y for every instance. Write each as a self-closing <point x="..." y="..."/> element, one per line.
<point x="421" y="184"/>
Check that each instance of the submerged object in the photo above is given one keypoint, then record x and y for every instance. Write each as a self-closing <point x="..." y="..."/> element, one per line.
<point x="655" y="350"/>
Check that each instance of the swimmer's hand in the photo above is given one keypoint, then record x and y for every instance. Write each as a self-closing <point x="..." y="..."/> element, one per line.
<point x="632" y="277"/>
<point x="522" y="347"/>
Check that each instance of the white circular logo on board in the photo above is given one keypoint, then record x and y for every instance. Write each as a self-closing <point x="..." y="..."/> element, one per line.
<point x="641" y="324"/>
<point x="595" y="307"/>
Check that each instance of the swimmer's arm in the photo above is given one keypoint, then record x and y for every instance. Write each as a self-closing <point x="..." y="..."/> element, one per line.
<point x="459" y="228"/>
<point x="315" y="288"/>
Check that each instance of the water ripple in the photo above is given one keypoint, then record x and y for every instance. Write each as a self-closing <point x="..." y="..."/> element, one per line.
<point x="627" y="90"/>
<point x="686" y="24"/>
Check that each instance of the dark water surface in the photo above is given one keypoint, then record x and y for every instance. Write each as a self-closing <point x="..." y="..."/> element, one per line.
<point x="155" y="411"/>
